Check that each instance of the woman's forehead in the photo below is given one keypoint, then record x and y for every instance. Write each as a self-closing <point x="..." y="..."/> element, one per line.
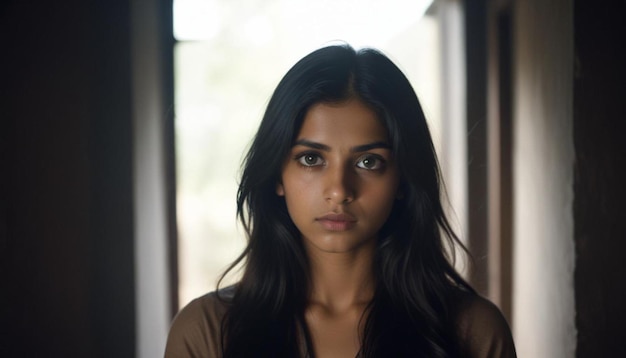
<point x="348" y="121"/>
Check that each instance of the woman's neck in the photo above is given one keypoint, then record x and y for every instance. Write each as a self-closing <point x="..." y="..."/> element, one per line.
<point x="342" y="286"/>
<point x="342" y="281"/>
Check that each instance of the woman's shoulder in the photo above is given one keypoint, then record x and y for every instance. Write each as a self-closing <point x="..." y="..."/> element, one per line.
<point x="483" y="330"/>
<point x="196" y="329"/>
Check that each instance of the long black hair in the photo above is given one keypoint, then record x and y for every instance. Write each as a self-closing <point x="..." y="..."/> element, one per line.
<point x="413" y="309"/>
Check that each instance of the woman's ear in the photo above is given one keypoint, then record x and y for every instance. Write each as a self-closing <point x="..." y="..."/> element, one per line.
<point x="280" y="190"/>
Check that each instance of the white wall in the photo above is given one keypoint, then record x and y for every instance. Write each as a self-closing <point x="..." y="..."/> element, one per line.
<point x="543" y="291"/>
<point x="150" y="200"/>
<point x="453" y="131"/>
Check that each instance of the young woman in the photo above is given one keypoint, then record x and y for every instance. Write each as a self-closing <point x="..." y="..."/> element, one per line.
<point x="346" y="256"/>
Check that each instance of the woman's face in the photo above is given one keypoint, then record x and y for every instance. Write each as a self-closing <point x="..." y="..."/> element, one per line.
<point x="340" y="180"/>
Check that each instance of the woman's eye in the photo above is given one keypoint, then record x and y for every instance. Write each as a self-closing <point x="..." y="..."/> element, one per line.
<point x="370" y="162"/>
<point x="310" y="160"/>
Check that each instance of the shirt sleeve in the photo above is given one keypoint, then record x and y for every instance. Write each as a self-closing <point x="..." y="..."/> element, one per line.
<point x="195" y="331"/>
<point x="484" y="331"/>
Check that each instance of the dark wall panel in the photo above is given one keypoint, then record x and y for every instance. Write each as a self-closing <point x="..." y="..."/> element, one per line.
<point x="66" y="248"/>
<point x="477" y="161"/>
<point x="600" y="177"/>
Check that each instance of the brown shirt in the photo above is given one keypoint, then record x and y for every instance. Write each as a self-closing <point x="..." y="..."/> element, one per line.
<point x="195" y="332"/>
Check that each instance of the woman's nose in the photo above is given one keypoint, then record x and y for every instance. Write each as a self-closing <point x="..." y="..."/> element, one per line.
<point x="340" y="186"/>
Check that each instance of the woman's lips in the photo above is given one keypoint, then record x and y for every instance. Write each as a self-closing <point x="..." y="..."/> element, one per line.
<point x="337" y="222"/>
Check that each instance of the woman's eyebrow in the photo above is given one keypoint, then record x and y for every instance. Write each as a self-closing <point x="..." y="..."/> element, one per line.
<point x="310" y="144"/>
<point x="370" y="146"/>
<point x="356" y="149"/>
